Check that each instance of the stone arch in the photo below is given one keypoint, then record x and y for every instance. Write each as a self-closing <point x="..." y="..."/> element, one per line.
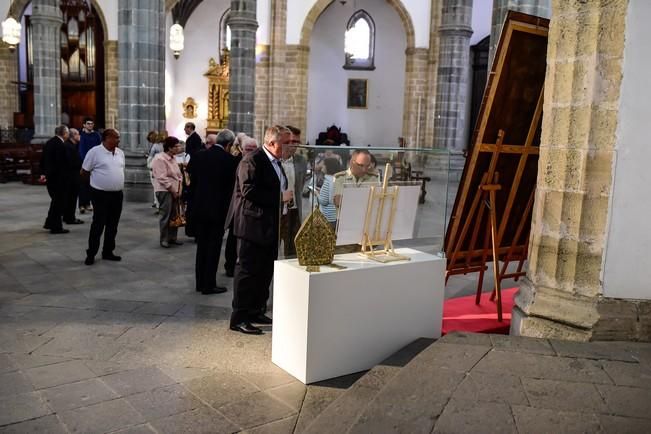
<point x="321" y="5"/>
<point x="17" y="9"/>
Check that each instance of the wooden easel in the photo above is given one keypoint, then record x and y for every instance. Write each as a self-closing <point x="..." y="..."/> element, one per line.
<point x="373" y="235"/>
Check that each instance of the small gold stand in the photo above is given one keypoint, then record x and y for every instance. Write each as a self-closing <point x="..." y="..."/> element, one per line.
<point x="373" y="235"/>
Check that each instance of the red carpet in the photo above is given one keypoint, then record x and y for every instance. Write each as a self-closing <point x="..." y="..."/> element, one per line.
<point x="462" y="314"/>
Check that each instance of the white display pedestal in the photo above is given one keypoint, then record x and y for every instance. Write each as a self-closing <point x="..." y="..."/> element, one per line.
<point x="337" y="322"/>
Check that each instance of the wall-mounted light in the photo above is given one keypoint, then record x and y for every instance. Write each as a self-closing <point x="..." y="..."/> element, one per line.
<point x="176" y="39"/>
<point x="11" y="33"/>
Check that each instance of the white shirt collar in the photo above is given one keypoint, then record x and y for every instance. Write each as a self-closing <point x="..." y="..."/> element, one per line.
<point x="269" y="154"/>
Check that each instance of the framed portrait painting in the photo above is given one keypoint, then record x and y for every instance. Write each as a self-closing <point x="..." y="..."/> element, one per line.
<point x="357" y="93"/>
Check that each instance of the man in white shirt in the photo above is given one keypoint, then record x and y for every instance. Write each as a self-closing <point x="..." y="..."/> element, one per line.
<point x="105" y="166"/>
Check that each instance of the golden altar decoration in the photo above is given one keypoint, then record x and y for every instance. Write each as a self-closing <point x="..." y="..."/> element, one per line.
<point x="189" y="108"/>
<point x="218" y="92"/>
<point x="315" y="242"/>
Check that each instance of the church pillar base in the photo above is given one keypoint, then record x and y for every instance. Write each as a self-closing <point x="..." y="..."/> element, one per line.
<point x="137" y="181"/>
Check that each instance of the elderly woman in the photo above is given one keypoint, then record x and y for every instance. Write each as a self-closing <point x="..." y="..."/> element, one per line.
<point x="167" y="186"/>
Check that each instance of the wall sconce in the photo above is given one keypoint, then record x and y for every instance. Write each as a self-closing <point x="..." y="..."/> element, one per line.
<point x="176" y="39"/>
<point x="11" y="33"/>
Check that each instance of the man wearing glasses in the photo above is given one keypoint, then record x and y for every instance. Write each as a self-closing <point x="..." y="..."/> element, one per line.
<point x="88" y="139"/>
<point x="359" y="172"/>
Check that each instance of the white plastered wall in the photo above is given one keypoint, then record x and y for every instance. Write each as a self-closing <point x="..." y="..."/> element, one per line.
<point x="627" y="267"/>
<point x="381" y="123"/>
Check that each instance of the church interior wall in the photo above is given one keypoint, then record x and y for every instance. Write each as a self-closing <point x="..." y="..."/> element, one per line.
<point x="629" y="237"/>
<point x="419" y="11"/>
<point x="186" y="73"/>
<point x="381" y="123"/>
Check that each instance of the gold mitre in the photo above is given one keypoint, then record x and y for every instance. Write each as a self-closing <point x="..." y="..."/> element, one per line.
<point x="315" y="241"/>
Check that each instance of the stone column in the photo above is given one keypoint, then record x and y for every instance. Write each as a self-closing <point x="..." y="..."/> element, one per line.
<point x="111" y="83"/>
<point x="241" y="105"/>
<point x="452" y="77"/>
<point x="539" y="8"/>
<point x="8" y="90"/>
<point x="46" y="34"/>
<point x="141" y="86"/>
<point x="562" y="294"/>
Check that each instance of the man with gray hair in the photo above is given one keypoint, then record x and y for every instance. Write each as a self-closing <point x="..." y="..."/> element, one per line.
<point x="54" y="167"/>
<point x="212" y="175"/>
<point x="211" y="140"/>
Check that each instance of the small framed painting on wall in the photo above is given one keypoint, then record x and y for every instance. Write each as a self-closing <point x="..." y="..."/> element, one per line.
<point x="357" y="93"/>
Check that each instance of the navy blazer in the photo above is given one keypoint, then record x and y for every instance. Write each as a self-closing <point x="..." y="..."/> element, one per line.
<point x="256" y="200"/>
<point x="212" y="175"/>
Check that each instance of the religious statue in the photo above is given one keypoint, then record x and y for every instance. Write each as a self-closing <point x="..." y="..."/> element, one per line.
<point x="190" y="108"/>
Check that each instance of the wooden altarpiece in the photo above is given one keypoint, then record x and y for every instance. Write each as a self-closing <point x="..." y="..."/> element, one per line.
<point x="218" y="93"/>
<point x="491" y="217"/>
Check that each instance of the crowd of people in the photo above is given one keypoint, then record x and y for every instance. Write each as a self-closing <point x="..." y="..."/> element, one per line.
<point x="225" y="183"/>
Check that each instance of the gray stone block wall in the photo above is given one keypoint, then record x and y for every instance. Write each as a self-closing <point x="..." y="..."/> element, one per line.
<point x="141" y="86"/>
<point x="243" y="25"/>
<point x="453" y="71"/>
<point x="46" y="34"/>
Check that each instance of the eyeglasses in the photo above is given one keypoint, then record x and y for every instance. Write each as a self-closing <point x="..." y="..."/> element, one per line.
<point x="361" y="166"/>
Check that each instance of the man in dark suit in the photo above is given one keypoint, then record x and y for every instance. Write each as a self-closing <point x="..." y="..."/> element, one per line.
<point x="193" y="144"/>
<point x="212" y="175"/>
<point x="73" y="178"/>
<point x="54" y="164"/>
<point x="260" y="193"/>
<point x="295" y="168"/>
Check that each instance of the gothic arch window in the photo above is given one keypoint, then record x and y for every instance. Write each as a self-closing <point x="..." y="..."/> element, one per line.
<point x="225" y="31"/>
<point x="359" y="42"/>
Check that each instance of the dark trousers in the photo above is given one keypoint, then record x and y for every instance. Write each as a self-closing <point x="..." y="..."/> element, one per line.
<point x="57" y="191"/>
<point x="84" y="194"/>
<point x="231" y="251"/>
<point x="167" y="208"/>
<point x="253" y="274"/>
<point x="72" y="191"/>
<point x="107" y="207"/>
<point x="209" y="244"/>
<point x="289" y="226"/>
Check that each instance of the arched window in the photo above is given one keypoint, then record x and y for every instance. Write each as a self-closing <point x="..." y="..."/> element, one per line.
<point x="225" y="31"/>
<point x="359" y="42"/>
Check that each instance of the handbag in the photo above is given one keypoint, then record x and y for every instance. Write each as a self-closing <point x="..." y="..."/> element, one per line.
<point x="178" y="219"/>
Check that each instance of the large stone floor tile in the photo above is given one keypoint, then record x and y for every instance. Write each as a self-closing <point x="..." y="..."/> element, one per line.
<point x="457" y="337"/>
<point x="629" y="374"/>
<point x="27" y="361"/>
<point x="456" y="357"/>
<point x="563" y="395"/>
<point x="545" y="367"/>
<point x="166" y="309"/>
<point x="471" y="417"/>
<point x="522" y="344"/>
<point x="291" y="394"/>
<point x="222" y="388"/>
<point x="317" y="399"/>
<point x="7" y="364"/>
<point x="13" y="383"/>
<point x="539" y="420"/>
<point x="412" y="401"/>
<point x="137" y="380"/>
<point x="17" y="408"/>
<point x="164" y="401"/>
<point x="595" y="350"/>
<point x="489" y="387"/>
<point x="145" y="428"/>
<point x="101" y="418"/>
<point x="203" y="420"/>
<point x="61" y="373"/>
<point x="627" y="401"/>
<point x="619" y="424"/>
<point x="80" y="394"/>
<point x="257" y="409"/>
<point x="46" y="424"/>
<point x="283" y="426"/>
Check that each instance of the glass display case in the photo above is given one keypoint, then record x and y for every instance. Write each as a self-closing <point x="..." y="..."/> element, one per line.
<point x="367" y="194"/>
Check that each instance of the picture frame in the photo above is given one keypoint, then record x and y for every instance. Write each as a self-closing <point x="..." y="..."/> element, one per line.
<point x="357" y="93"/>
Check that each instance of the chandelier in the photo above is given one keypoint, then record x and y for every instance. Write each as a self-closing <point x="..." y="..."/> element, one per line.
<point x="176" y="39"/>
<point x="11" y="33"/>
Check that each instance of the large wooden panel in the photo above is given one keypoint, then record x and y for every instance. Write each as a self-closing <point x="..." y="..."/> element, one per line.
<point x="504" y="151"/>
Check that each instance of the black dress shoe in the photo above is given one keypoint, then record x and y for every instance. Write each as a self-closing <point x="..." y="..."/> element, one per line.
<point x="89" y="260"/>
<point x="59" y="231"/>
<point x="74" y="222"/>
<point x="246" y="328"/>
<point x="261" y="319"/>
<point x="215" y="290"/>
<point x="111" y="257"/>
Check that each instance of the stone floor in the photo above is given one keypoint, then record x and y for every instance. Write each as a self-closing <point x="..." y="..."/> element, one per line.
<point x="130" y="347"/>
